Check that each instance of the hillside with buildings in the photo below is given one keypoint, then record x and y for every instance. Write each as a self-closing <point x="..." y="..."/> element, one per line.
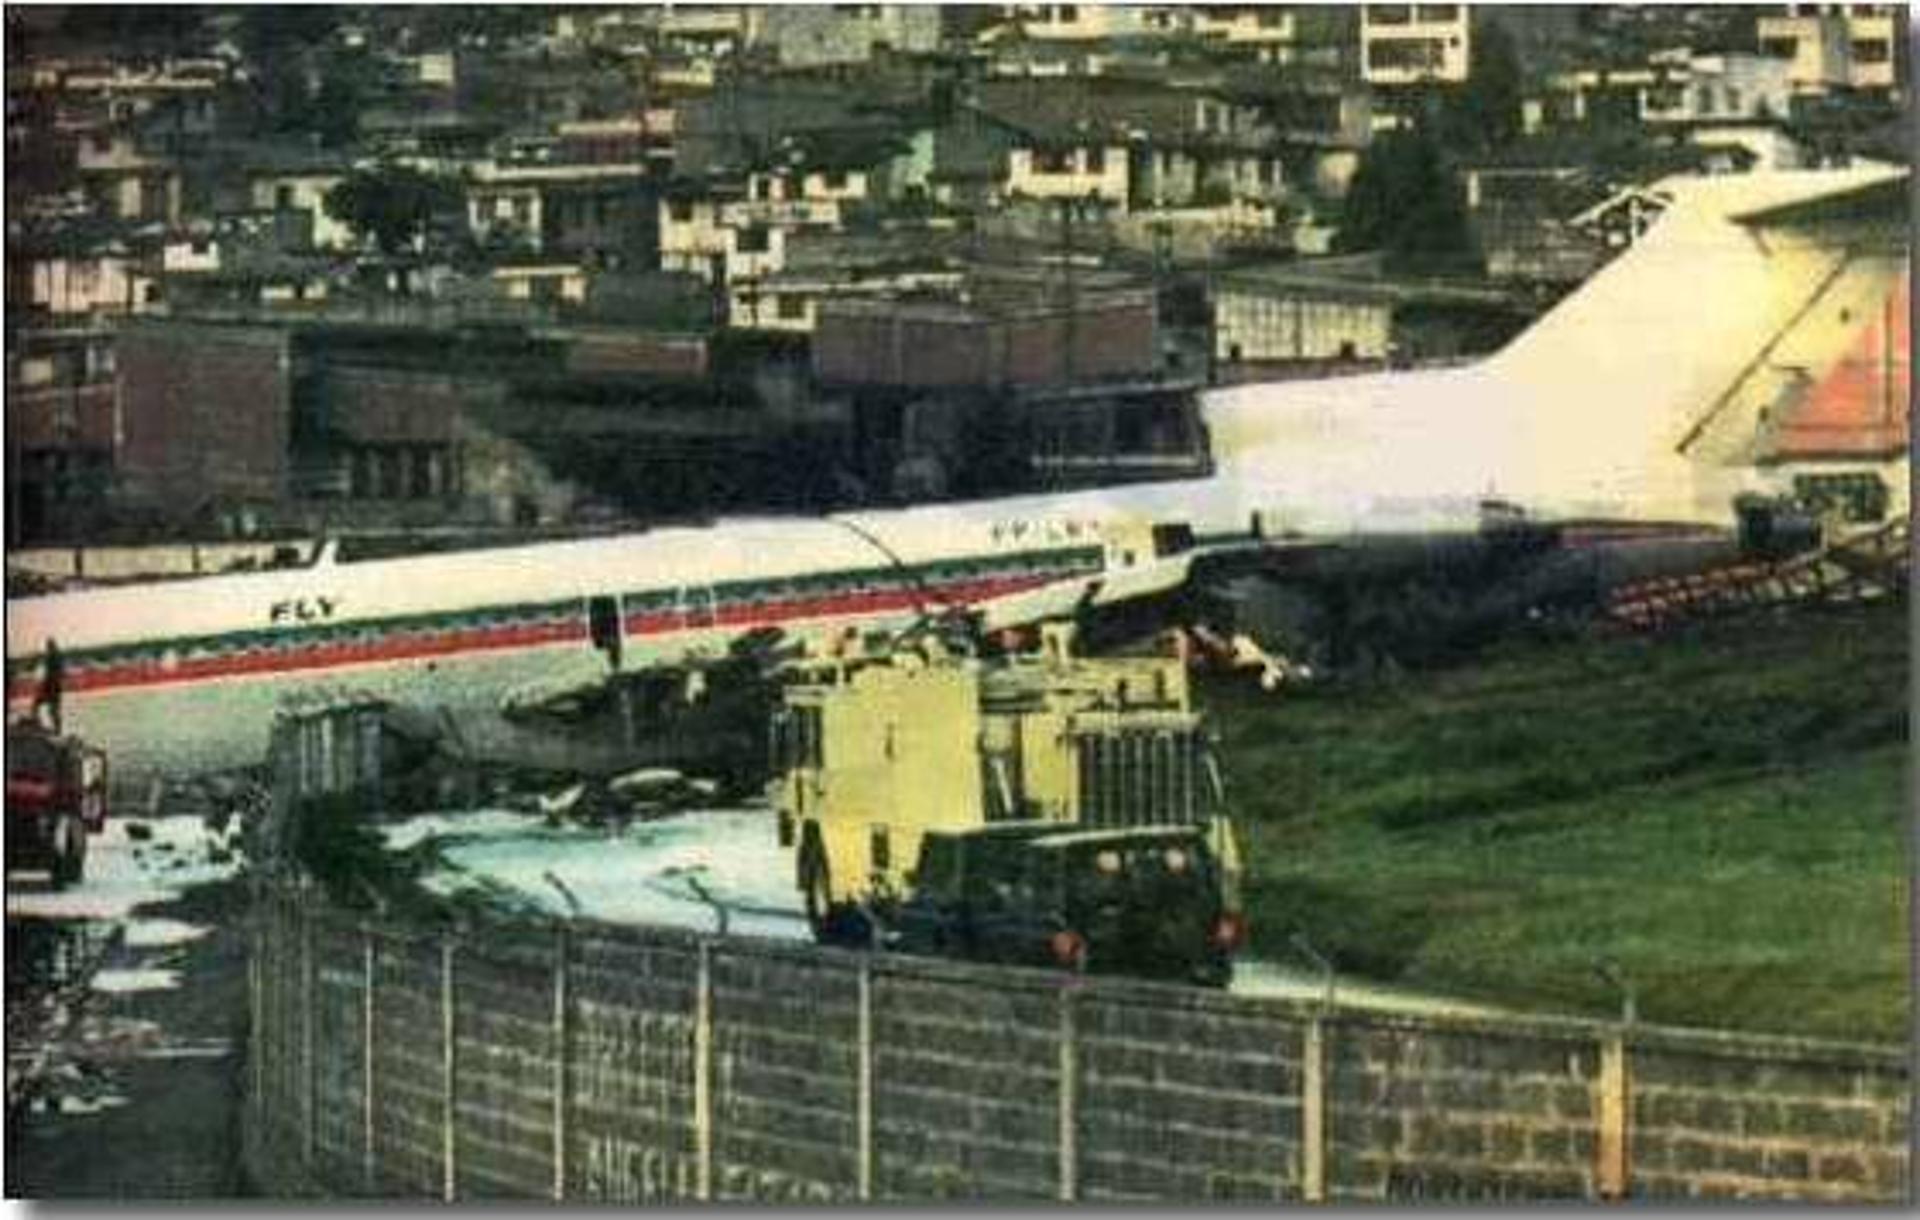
<point x="368" y="268"/>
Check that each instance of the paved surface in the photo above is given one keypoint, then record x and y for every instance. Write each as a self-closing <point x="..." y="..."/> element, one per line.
<point x="135" y="1095"/>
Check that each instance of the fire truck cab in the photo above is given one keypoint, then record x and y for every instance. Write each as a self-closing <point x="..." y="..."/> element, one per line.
<point x="56" y="797"/>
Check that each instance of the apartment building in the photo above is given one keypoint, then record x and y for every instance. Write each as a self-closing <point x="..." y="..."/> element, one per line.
<point x="1834" y="46"/>
<point x="1410" y="44"/>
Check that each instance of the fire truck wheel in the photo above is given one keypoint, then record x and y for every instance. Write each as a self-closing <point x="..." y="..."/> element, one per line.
<point x="816" y="885"/>
<point x="79" y="848"/>
<point x="70" y="851"/>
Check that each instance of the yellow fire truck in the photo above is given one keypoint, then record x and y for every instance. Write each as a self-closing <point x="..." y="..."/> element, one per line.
<point x="874" y="754"/>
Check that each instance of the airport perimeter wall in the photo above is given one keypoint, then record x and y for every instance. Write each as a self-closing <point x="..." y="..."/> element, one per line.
<point x="532" y="1059"/>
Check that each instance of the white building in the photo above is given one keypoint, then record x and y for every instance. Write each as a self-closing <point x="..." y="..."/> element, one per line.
<point x="540" y="205"/>
<point x="74" y="286"/>
<point x="1718" y="88"/>
<point x="709" y="31"/>
<point x="1133" y="146"/>
<point x="812" y="36"/>
<point x="802" y="196"/>
<point x="123" y="183"/>
<point x="1259" y="322"/>
<point x="718" y="239"/>
<point x="1831" y="46"/>
<point x="191" y="253"/>
<point x="1271" y="33"/>
<point x="1095" y="22"/>
<point x="542" y="282"/>
<point x="508" y="211"/>
<point x="693" y="233"/>
<point x="1407" y="44"/>
<point x="303" y="190"/>
<point x="1095" y="170"/>
<point x="791" y="301"/>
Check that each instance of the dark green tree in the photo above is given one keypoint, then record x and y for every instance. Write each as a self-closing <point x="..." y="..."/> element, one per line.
<point x="335" y="115"/>
<point x="282" y="47"/>
<point x="1485" y="112"/>
<point x="1406" y="202"/>
<point x="392" y="204"/>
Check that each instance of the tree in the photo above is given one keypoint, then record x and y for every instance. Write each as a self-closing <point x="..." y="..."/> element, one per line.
<point x="1405" y="202"/>
<point x="335" y="115"/>
<point x="392" y="204"/>
<point x="1485" y="112"/>
<point x="280" y="45"/>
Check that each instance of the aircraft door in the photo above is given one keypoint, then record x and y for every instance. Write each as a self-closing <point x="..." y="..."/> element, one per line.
<point x="604" y="627"/>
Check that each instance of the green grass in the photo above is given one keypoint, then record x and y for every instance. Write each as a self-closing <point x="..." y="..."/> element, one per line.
<point x="1723" y="812"/>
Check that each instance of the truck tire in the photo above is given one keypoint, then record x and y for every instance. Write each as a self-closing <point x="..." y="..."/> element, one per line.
<point x="69" y="851"/>
<point x="80" y="833"/>
<point x="816" y="883"/>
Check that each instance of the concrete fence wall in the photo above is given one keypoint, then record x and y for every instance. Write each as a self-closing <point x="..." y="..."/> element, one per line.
<point x="621" y="1065"/>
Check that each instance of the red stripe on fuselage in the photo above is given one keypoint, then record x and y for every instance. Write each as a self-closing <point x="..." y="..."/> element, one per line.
<point x="422" y="645"/>
<point x="315" y="656"/>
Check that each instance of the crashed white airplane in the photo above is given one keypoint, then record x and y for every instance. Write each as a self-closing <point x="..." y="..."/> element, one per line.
<point x="1621" y="409"/>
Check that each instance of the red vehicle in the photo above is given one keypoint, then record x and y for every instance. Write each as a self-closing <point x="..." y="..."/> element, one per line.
<point x="56" y="797"/>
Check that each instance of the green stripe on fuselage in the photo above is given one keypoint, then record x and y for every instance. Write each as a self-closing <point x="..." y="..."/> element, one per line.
<point x="299" y="635"/>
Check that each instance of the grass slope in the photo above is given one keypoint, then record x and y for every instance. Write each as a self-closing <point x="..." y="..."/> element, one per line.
<point x="1722" y="811"/>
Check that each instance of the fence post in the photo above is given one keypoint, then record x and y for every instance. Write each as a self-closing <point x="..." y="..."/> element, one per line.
<point x="863" y="1116"/>
<point x="560" y="1052"/>
<point x="368" y="1008"/>
<point x="447" y="1066"/>
<point x="1610" y="1169"/>
<point x="1069" y="1098"/>
<point x="309" y="1069"/>
<point x="256" y="1032"/>
<point x="1313" y="1111"/>
<point x="703" y="1075"/>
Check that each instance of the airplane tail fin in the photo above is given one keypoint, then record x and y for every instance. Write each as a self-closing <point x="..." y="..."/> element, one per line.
<point x="1642" y="393"/>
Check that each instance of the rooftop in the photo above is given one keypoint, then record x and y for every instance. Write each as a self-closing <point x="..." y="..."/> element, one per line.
<point x="1362" y="276"/>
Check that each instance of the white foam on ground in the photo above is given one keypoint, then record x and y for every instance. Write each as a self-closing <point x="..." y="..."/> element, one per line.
<point x="637" y="875"/>
<point x="138" y="979"/>
<point x="123" y="873"/>
<point x="91" y="1105"/>
<point x="480" y="823"/>
<point x="158" y="933"/>
<point x="640" y="875"/>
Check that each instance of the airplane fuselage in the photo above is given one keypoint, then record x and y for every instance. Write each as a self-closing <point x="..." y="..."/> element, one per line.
<point x="187" y="675"/>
